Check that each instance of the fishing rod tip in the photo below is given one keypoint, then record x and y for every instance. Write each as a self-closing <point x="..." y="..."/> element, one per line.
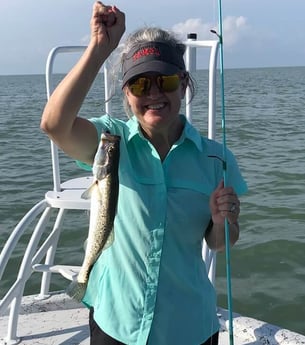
<point x="215" y="32"/>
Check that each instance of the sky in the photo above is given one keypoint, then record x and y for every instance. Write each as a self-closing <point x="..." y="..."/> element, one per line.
<point x="256" y="33"/>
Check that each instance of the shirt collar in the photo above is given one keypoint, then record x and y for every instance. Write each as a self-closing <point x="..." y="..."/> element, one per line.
<point x="134" y="128"/>
<point x="189" y="132"/>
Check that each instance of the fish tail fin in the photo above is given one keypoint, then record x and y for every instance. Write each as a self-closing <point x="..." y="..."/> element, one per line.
<point x="76" y="290"/>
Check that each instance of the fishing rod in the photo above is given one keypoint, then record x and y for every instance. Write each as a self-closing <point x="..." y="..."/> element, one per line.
<point x="224" y="162"/>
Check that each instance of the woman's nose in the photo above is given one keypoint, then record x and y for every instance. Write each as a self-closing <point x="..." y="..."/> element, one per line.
<point x="154" y="89"/>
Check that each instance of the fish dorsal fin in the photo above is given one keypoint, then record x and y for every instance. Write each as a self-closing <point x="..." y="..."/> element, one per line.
<point x="87" y="193"/>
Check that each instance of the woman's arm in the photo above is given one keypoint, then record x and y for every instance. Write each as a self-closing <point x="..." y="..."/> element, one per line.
<point x="74" y="135"/>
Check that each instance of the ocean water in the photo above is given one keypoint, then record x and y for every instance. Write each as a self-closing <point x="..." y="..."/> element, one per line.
<point x="265" y="122"/>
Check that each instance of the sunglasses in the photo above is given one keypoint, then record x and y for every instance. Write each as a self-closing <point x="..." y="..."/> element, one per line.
<point x="140" y="86"/>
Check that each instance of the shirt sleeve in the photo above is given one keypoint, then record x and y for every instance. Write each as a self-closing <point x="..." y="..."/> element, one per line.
<point x="234" y="176"/>
<point x="102" y="123"/>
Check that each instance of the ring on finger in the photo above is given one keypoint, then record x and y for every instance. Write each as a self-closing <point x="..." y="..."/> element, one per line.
<point x="233" y="207"/>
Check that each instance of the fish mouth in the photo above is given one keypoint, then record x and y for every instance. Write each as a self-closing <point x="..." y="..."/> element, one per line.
<point x="107" y="136"/>
<point x="106" y="155"/>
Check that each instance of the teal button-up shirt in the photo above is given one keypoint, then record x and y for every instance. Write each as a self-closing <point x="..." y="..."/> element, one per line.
<point x="151" y="286"/>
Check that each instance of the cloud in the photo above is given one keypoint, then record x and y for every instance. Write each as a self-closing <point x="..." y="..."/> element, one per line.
<point x="194" y="25"/>
<point x="234" y="29"/>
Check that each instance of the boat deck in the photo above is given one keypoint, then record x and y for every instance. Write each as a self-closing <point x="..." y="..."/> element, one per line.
<point x="59" y="320"/>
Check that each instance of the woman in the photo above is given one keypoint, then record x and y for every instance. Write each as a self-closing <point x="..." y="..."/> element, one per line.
<point x="151" y="286"/>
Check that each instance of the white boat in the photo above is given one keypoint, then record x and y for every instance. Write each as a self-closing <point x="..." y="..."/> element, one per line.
<point x="51" y="317"/>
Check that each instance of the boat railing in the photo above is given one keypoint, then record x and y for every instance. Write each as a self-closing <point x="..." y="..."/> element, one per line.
<point x="66" y="196"/>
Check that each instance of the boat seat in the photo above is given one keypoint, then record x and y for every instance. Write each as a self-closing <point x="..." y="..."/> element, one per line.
<point x="70" y="195"/>
<point x="69" y="272"/>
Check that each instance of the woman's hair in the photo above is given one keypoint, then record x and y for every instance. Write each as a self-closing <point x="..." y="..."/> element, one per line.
<point x="154" y="34"/>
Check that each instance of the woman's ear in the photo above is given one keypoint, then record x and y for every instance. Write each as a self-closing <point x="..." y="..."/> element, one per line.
<point x="125" y="90"/>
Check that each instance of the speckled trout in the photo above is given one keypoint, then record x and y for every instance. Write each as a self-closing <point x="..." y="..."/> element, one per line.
<point x="103" y="193"/>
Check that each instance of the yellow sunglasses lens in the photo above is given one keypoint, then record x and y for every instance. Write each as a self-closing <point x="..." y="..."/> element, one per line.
<point x="140" y="86"/>
<point x="166" y="83"/>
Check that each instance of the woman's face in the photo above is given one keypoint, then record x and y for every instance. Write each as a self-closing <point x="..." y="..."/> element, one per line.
<point x="156" y="110"/>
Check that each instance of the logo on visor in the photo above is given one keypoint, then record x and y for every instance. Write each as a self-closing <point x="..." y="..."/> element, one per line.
<point x="146" y="52"/>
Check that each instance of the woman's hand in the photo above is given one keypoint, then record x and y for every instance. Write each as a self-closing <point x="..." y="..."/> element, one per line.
<point x="224" y="203"/>
<point x="107" y="25"/>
